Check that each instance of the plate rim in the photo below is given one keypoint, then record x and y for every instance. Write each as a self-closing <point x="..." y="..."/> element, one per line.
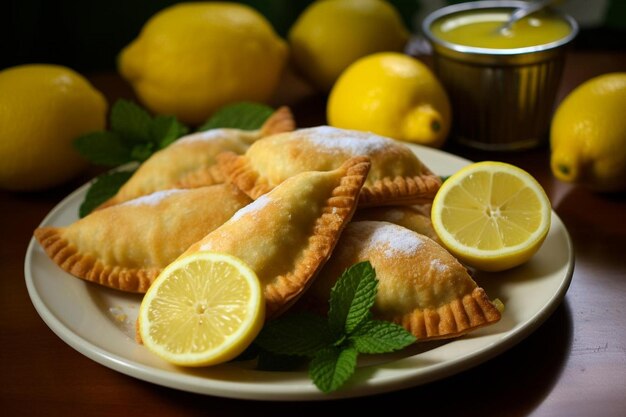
<point x="232" y="389"/>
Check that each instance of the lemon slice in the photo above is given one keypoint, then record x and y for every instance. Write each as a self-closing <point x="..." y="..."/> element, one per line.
<point x="491" y="215"/>
<point x="203" y="309"/>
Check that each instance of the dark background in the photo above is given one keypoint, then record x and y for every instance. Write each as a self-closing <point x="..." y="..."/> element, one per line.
<point x="87" y="35"/>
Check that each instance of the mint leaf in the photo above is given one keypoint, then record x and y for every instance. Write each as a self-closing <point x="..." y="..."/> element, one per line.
<point x="134" y="136"/>
<point x="103" y="148"/>
<point x="166" y="129"/>
<point x="244" y="115"/>
<point x="334" y="344"/>
<point x="377" y="336"/>
<point x="130" y="121"/>
<point x="352" y="297"/>
<point x="104" y="187"/>
<point x="142" y="151"/>
<point x="331" y="367"/>
<point x="300" y="334"/>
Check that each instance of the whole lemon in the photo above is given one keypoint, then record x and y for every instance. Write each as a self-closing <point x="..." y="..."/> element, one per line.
<point x="588" y="134"/>
<point x="192" y="58"/>
<point x="393" y="95"/>
<point x="43" y="108"/>
<point x="331" y="34"/>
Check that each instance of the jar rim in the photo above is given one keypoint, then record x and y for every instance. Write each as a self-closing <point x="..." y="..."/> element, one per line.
<point x="491" y="4"/>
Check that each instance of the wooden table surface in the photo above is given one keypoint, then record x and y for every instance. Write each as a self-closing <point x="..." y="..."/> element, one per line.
<point x="573" y="365"/>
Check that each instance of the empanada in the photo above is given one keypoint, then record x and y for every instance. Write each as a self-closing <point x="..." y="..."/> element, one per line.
<point x="416" y="218"/>
<point x="287" y="235"/>
<point x="127" y="245"/>
<point x="420" y="285"/>
<point x="190" y="161"/>
<point x="397" y="176"/>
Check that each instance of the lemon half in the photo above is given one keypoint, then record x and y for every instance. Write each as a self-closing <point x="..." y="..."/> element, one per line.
<point x="491" y="215"/>
<point x="203" y="309"/>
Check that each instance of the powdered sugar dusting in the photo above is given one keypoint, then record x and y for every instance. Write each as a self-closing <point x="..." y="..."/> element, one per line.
<point x="152" y="199"/>
<point x="205" y="136"/>
<point x="394" y="240"/>
<point x="253" y="207"/>
<point x="438" y="266"/>
<point x="346" y="141"/>
<point x="207" y="246"/>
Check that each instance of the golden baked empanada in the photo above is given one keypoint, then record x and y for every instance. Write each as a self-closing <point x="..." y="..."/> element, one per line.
<point x="416" y="218"/>
<point x="127" y="245"/>
<point x="287" y="235"/>
<point x="397" y="176"/>
<point x="190" y="161"/>
<point x="420" y="285"/>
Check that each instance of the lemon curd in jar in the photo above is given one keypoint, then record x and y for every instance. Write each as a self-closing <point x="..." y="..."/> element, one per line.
<point x="479" y="29"/>
<point x="502" y="86"/>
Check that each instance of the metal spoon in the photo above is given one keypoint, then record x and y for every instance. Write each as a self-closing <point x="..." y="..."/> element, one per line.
<point x="522" y="12"/>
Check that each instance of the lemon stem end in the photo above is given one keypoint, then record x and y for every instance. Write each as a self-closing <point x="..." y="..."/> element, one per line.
<point x="423" y="125"/>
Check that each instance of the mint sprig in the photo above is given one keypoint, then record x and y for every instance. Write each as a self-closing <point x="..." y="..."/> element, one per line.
<point x="103" y="187"/>
<point x="333" y="343"/>
<point x="243" y="115"/>
<point x="352" y="297"/>
<point x="135" y="135"/>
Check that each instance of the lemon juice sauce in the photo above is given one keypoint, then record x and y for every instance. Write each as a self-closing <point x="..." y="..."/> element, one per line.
<point x="479" y="29"/>
<point x="502" y="86"/>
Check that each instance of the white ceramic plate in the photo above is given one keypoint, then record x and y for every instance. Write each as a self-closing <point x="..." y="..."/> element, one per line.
<point x="99" y="323"/>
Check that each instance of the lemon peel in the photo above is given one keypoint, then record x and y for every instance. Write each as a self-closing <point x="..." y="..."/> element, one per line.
<point x="491" y="215"/>
<point x="394" y="95"/>
<point x="588" y="134"/>
<point x="43" y="108"/>
<point x="330" y="35"/>
<point x="190" y="59"/>
<point x="203" y="309"/>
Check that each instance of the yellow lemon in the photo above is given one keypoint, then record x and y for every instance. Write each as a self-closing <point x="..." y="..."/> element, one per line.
<point x="192" y="58"/>
<point x="43" y="108"/>
<point x="491" y="215"/>
<point x="393" y="95"/>
<point x="203" y="309"/>
<point x="329" y="35"/>
<point x="588" y="134"/>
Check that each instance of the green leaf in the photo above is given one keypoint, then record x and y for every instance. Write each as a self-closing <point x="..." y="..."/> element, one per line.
<point x="142" y="151"/>
<point x="300" y="334"/>
<point x="104" y="187"/>
<point x="352" y="297"/>
<point x="130" y="121"/>
<point x="166" y="129"/>
<point x="331" y="367"/>
<point x="243" y="115"/>
<point x="376" y="336"/>
<point x="103" y="148"/>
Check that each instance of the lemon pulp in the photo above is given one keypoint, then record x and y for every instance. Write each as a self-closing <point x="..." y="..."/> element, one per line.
<point x="491" y="215"/>
<point x="203" y="309"/>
